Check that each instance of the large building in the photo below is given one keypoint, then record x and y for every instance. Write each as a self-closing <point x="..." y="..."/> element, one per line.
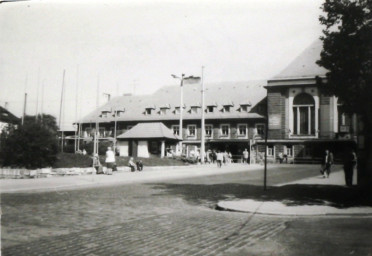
<point x="234" y="112"/>
<point x="302" y="120"/>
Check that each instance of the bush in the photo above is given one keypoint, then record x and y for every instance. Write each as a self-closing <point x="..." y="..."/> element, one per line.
<point x="32" y="145"/>
<point x="102" y="147"/>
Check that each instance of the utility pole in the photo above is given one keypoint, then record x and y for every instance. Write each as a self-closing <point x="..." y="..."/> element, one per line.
<point x="61" y="107"/>
<point x="202" y="148"/>
<point x="24" y="109"/>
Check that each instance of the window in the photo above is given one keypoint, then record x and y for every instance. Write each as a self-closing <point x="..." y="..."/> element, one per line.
<point x="191" y="131"/>
<point x="104" y="114"/>
<point x="270" y="150"/>
<point x="289" y="150"/>
<point x="242" y="130"/>
<point x="148" y="111"/>
<point x="163" y="111"/>
<point x="176" y="129"/>
<point x="244" y="108"/>
<point x="226" y="109"/>
<point x="303" y="115"/>
<point x="225" y="130"/>
<point x="260" y="129"/>
<point x="208" y="130"/>
<point x="102" y="132"/>
<point x="210" y="109"/>
<point x="194" y="110"/>
<point x="177" y="110"/>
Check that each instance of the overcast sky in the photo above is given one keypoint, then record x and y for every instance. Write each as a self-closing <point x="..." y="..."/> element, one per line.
<point x="134" y="46"/>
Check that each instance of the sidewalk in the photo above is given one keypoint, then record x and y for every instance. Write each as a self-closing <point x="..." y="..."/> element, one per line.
<point x="149" y="174"/>
<point x="286" y="207"/>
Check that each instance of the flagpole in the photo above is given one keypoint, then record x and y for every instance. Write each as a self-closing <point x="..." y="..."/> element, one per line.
<point x="202" y="149"/>
<point x="181" y="110"/>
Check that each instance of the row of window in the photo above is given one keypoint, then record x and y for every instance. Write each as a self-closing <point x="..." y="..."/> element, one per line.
<point x="224" y="131"/>
<point x="195" y="109"/>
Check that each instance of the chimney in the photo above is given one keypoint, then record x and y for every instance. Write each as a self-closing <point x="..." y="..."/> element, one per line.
<point x="6" y="105"/>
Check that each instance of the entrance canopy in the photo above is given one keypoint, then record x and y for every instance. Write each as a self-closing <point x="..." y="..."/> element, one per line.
<point x="155" y="130"/>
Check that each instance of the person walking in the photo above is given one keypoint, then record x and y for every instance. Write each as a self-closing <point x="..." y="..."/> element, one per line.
<point x="245" y="156"/>
<point x="327" y="163"/>
<point x="350" y="161"/>
<point x="110" y="160"/>
<point x="219" y="158"/>
<point x="131" y="164"/>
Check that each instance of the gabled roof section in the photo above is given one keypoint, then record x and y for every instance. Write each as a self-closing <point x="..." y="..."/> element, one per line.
<point x="7" y="117"/>
<point x="215" y="94"/>
<point x="304" y="66"/>
<point x="155" y="130"/>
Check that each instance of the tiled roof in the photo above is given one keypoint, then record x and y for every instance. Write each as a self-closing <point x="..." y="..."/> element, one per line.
<point x="149" y="130"/>
<point x="219" y="93"/>
<point x="7" y="117"/>
<point x="304" y="66"/>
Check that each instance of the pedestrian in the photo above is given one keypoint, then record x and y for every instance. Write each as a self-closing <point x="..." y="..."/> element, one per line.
<point x="245" y="156"/>
<point x="229" y="157"/>
<point x="280" y="155"/>
<point x="110" y="160"/>
<point x="131" y="164"/>
<point x="327" y="164"/>
<point x="350" y="161"/>
<point x="219" y="158"/>
<point x="139" y="165"/>
<point x="97" y="165"/>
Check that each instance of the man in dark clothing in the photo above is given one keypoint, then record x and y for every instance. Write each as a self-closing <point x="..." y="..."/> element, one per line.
<point x="350" y="161"/>
<point x="327" y="163"/>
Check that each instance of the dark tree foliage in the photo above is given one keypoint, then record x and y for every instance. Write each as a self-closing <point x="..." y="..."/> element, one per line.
<point x="32" y="145"/>
<point x="347" y="55"/>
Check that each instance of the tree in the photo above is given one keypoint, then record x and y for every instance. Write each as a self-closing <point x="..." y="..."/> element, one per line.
<point x="32" y="145"/>
<point x="347" y="55"/>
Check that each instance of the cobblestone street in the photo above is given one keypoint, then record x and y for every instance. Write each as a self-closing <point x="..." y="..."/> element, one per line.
<point x="173" y="218"/>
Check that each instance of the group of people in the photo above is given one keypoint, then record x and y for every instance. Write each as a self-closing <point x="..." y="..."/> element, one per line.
<point x="110" y="163"/>
<point x="349" y="164"/>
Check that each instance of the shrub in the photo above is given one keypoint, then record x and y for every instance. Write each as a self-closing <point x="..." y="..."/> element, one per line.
<point x="32" y="145"/>
<point x="102" y="147"/>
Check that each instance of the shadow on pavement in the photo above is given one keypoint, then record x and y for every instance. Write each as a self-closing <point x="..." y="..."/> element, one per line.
<point x="291" y="195"/>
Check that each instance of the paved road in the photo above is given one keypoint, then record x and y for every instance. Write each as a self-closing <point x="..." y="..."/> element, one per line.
<point x="172" y="218"/>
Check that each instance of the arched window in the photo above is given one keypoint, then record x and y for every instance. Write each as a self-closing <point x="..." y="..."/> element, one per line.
<point x="303" y="115"/>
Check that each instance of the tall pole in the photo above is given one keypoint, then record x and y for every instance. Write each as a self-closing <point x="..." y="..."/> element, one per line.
<point x="202" y="148"/>
<point x="42" y="100"/>
<point x="266" y="134"/>
<point x="115" y="123"/>
<point x="37" y="94"/>
<point x="24" y="109"/>
<point x="60" y="109"/>
<point x="181" y="110"/>
<point x="76" y="109"/>
<point x="97" y="125"/>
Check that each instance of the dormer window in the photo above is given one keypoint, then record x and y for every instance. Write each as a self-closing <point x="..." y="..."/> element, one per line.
<point x="148" y="111"/>
<point x="194" y="110"/>
<point x="226" y="109"/>
<point x="244" y="108"/>
<point x="210" y="109"/>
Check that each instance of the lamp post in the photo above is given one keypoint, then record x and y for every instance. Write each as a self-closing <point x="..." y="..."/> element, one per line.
<point x="188" y="80"/>
<point x="181" y="110"/>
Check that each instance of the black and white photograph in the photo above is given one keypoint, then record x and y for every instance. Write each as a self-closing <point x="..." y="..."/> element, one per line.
<point x="186" y="127"/>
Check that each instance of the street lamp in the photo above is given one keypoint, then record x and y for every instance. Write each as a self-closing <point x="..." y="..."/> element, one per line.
<point x="189" y="80"/>
<point x="181" y="109"/>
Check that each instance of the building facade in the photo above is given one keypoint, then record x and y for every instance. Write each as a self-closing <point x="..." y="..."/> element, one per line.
<point x="303" y="121"/>
<point x="234" y="113"/>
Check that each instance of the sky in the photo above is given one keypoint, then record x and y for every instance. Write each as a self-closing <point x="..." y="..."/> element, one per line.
<point x="116" y="47"/>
